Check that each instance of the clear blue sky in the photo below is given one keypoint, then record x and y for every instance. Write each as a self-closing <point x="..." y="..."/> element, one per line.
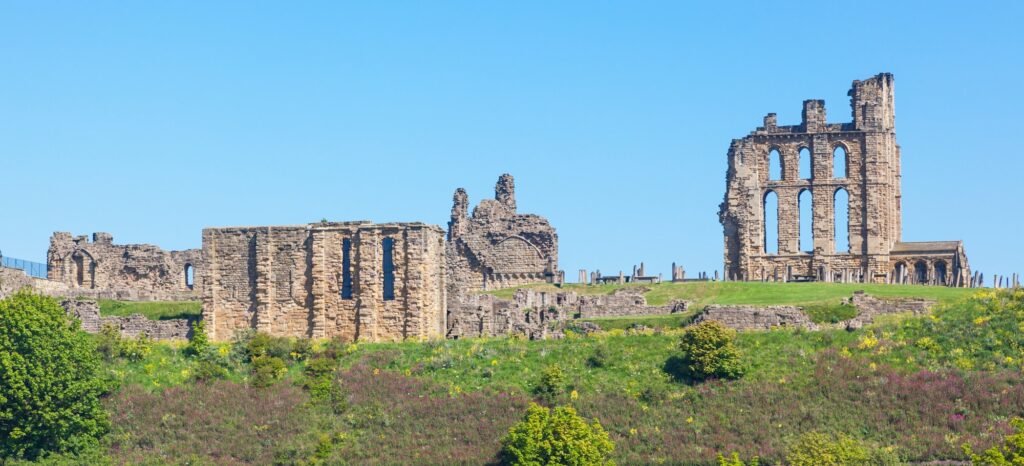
<point x="152" y="120"/>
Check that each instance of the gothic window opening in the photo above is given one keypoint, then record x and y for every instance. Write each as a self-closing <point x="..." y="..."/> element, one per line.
<point x="806" y="220"/>
<point x="190" y="279"/>
<point x="774" y="165"/>
<point x="771" y="223"/>
<point x="805" y="164"/>
<point x="389" y="269"/>
<point x="839" y="168"/>
<point x="841" y="204"/>
<point x="346" y="269"/>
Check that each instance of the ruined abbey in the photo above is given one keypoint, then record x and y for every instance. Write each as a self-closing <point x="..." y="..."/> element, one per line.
<point x="854" y="168"/>
<point x="359" y="280"/>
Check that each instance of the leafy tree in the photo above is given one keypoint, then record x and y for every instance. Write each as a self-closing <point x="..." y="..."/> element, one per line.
<point x="50" y="384"/>
<point x="735" y="460"/>
<point x="200" y="342"/>
<point x="551" y="384"/>
<point x="709" y="350"/>
<point x="557" y="436"/>
<point x="1010" y="454"/>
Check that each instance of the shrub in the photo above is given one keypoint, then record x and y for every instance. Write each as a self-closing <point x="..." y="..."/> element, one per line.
<point x="817" y="449"/>
<point x="266" y="370"/>
<point x="709" y="350"/>
<point x="136" y="349"/>
<point x="735" y="460"/>
<point x="263" y="345"/>
<point x="112" y="346"/>
<point x="50" y="384"/>
<point x="302" y="349"/>
<point x="207" y="370"/>
<point x="551" y="383"/>
<point x="200" y="342"/>
<point x="600" y="357"/>
<point x="558" y="436"/>
<point x="1011" y="453"/>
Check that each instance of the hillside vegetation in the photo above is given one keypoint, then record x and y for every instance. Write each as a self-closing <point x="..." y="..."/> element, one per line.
<point x="914" y="387"/>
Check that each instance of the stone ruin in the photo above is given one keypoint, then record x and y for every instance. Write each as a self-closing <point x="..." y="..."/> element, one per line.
<point x="498" y="247"/>
<point x="858" y="161"/>
<point x="353" y="280"/>
<point x="88" y="313"/>
<point x="102" y="269"/>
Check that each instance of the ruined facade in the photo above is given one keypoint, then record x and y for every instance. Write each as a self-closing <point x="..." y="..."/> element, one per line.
<point x="853" y="167"/>
<point x="353" y="280"/>
<point x="90" y="267"/>
<point x="497" y="247"/>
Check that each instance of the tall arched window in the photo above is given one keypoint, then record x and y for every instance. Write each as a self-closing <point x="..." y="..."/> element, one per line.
<point x="771" y="223"/>
<point x="921" y="273"/>
<point x="774" y="165"/>
<point x="190" y="279"/>
<point x="806" y="221"/>
<point x="805" y="164"/>
<point x="841" y="207"/>
<point x="940" y="273"/>
<point x="839" y="169"/>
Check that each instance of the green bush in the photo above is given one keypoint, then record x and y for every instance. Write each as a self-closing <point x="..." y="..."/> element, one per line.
<point x="112" y="346"/>
<point x="302" y="349"/>
<point x="735" y="460"/>
<point x="50" y="383"/>
<point x="200" y="342"/>
<point x="136" y="349"/>
<point x="266" y="370"/>
<point x="708" y="350"/>
<point x="817" y="449"/>
<point x="551" y="383"/>
<point x="208" y="369"/>
<point x="600" y="357"/>
<point x="557" y="436"/>
<point x="1010" y="454"/>
<point x="264" y="345"/>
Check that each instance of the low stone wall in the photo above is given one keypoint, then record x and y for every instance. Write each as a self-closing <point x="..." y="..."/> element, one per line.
<point x="88" y="312"/>
<point x="756" y="318"/>
<point x="869" y="307"/>
<point x="536" y="314"/>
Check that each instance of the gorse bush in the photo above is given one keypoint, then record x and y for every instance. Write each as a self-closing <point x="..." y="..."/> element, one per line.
<point x="556" y="436"/>
<point x="50" y="384"/>
<point x="551" y="383"/>
<point x="199" y="343"/>
<point x="734" y="460"/>
<point x="708" y="350"/>
<point x="112" y="346"/>
<point x="1011" y="453"/>
<point x="818" y="449"/>
<point x="266" y="370"/>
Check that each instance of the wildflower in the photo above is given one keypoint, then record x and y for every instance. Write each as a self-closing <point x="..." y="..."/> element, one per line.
<point x="494" y="362"/>
<point x="873" y="367"/>
<point x="689" y="420"/>
<point x="867" y="342"/>
<point x="574" y="395"/>
<point x="376" y="371"/>
<point x="223" y="350"/>
<point x="632" y="431"/>
<point x="1009" y="360"/>
<point x="981" y="320"/>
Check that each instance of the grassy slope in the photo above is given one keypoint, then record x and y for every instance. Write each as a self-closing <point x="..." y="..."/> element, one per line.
<point x="925" y="385"/>
<point x="155" y="310"/>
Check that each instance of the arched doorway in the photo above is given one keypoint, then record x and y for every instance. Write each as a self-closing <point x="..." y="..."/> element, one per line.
<point x="940" y="273"/>
<point x="921" y="273"/>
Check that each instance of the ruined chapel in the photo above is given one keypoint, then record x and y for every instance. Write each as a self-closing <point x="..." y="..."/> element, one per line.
<point x="849" y="175"/>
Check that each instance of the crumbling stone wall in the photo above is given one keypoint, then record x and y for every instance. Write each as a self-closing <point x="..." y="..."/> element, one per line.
<point x="326" y="280"/>
<point x="101" y="266"/>
<point x="869" y="307"/>
<point x="88" y="312"/>
<point x="871" y="178"/>
<point x="538" y="314"/>
<point x="755" y="317"/>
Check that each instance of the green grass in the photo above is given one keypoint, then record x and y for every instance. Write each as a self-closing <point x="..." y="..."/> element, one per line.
<point x="156" y="310"/>
<point x="830" y="313"/>
<point x="655" y="321"/>
<point x="701" y="294"/>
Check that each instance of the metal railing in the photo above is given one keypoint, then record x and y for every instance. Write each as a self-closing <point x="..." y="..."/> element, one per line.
<point x="34" y="269"/>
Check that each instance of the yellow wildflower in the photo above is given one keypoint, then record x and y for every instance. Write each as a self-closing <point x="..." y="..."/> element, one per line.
<point x="574" y="395"/>
<point x="689" y="420"/>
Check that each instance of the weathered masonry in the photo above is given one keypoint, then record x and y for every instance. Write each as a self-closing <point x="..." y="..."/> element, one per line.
<point x="353" y="280"/>
<point x="498" y="247"/>
<point x="848" y="175"/>
<point x="87" y="267"/>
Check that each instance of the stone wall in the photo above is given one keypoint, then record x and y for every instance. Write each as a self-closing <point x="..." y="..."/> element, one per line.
<point x="755" y="317"/>
<point x="869" y="307"/>
<point x="326" y="280"/>
<point x="88" y="312"/>
<point x="497" y="247"/>
<point x="869" y="174"/>
<point x="142" y="271"/>
<point x="538" y="314"/>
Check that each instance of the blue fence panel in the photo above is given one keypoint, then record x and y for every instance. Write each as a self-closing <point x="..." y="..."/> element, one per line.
<point x="34" y="269"/>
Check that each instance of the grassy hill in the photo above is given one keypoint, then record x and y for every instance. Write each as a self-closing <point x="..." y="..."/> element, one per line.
<point x="921" y="386"/>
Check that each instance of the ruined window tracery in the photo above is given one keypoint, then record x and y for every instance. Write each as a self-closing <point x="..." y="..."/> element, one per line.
<point x="839" y="167"/>
<point x="774" y="165"/>
<point x="806" y="220"/>
<point x="841" y="208"/>
<point x="771" y="223"/>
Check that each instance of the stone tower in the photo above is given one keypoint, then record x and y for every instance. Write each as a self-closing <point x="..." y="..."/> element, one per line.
<point x="853" y="167"/>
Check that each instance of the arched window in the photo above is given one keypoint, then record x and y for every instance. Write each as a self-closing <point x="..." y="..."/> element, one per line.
<point x="805" y="164"/>
<point x="389" y="268"/>
<point x="940" y="273"/>
<point x="920" y="273"/>
<point x="771" y="223"/>
<point x="190" y="279"/>
<point x="774" y="165"/>
<point x="806" y="220"/>
<point x="839" y="168"/>
<point x="899" y="273"/>
<point x="841" y="207"/>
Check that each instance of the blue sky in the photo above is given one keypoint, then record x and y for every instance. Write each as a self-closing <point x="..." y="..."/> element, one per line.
<point x="152" y="120"/>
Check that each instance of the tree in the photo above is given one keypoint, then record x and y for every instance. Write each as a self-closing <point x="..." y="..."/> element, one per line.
<point x="50" y="384"/>
<point x="557" y="436"/>
<point x="1011" y="453"/>
<point x="709" y="350"/>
